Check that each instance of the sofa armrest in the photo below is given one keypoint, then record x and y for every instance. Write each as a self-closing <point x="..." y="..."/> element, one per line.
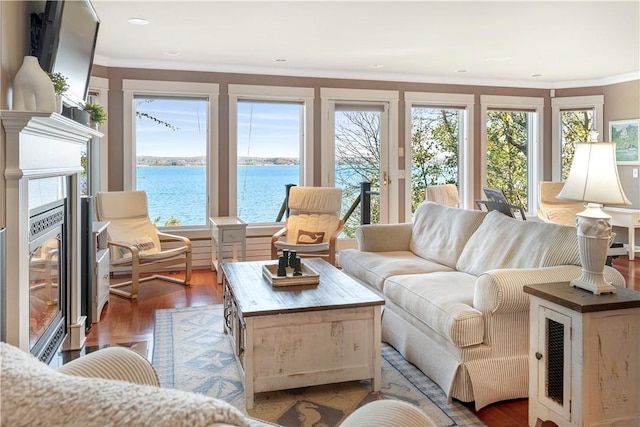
<point x="113" y="363"/>
<point x="500" y="291"/>
<point x="384" y="237"/>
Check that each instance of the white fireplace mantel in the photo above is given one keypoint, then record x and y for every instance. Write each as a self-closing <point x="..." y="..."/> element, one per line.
<point x="39" y="145"/>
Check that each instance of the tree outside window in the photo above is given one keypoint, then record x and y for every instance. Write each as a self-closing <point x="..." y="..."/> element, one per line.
<point x="434" y="150"/>
<point x="576" y="126"/>
<point x="507" y="160"/>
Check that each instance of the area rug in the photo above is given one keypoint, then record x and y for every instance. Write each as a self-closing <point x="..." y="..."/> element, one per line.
<point x="191" y="352"/>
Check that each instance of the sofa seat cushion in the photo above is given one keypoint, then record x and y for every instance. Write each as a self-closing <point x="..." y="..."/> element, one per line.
<point x="443" y="301"/>
<point x="440" y="232"/>
<point x="373" y="268"/>
<point x="502" y="242"/>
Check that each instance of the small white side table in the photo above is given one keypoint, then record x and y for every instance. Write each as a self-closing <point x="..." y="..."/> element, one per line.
<point x="227" y="230"/>
<point x="101" y="269"/>
<point x="628" y="218"/>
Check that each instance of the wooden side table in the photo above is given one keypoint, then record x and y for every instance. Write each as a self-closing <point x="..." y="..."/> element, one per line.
<point x="227" y="230"/>
<point x="584" y="356"/>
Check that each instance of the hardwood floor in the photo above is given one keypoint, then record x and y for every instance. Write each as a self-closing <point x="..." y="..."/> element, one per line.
<point x="130" y="323"/>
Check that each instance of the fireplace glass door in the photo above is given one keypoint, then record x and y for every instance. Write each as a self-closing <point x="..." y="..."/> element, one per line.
<point x="47" y="282"/>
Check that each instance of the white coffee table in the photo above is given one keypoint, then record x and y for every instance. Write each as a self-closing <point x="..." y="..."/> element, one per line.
<point x="305" y="335"/>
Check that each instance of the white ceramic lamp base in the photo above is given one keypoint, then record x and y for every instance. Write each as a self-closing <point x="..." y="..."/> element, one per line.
<point x="594" y="238"/>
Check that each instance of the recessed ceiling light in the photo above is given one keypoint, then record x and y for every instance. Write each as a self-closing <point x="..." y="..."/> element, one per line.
<point x="137" y="21"/>
<point x="279" y="60"/>
<point x="499" y="59"/>
<point x="172" y="53"/>
<point x="376" y="66"/>
<point x="461" y="71"/>
<point x="536" y="75"/>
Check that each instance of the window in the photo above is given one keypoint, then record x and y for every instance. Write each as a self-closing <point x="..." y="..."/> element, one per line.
<point x="269" y="144"/>
<point x="439" y="143"/>
<point x="512" y="152"/>
<point x="171" y="158"/>
<point x="170" y="131"/>
<point x="573" y="120"/>
<point x="270" y="131"/>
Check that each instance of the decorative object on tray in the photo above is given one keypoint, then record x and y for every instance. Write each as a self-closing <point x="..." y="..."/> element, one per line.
<point x="306" y="275"/>
<point x="32" y="88"/>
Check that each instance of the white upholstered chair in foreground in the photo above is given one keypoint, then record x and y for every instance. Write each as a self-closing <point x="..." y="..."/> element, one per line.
<point x="135" y="242"/>
<point x="446" y="194"/>
<point x="83" y="393"/>
<point x="313" y="225"/>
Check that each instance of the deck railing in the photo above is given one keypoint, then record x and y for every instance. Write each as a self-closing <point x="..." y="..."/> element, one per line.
<point x="363" y="200"/>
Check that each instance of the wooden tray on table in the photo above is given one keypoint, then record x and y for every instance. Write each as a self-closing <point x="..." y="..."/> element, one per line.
<point x="309" y="276"/>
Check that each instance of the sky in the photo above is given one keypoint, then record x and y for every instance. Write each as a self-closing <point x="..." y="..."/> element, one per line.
<point x="264" y="129"/>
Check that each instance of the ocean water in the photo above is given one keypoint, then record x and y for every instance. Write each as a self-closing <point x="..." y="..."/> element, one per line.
<point x="261" y="190"/>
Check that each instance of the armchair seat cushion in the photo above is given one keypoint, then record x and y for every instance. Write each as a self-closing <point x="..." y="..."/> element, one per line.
<point x="307" y="247"/>
<point x="144" y="258"/>
<point x="134" y="232"/>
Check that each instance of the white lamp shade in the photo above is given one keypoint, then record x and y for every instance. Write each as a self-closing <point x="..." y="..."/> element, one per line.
<point x="594" y="175"/>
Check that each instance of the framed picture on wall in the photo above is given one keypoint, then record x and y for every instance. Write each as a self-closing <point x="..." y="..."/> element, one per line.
<point x="625" y="134"/>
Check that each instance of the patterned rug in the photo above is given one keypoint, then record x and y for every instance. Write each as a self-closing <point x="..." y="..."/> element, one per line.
<point x="192" y="353"/>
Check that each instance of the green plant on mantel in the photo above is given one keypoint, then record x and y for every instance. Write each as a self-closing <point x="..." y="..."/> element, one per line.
<point x="96" y="112"/>
<point x="59" y="81"/>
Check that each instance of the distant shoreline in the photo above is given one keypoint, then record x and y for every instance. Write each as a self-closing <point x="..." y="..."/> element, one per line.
<point x="144" y="161"/>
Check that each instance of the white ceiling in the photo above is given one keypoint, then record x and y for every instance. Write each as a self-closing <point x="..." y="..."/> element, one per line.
<point x="504" y="43"/>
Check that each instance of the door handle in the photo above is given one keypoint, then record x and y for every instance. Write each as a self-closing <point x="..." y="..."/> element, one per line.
<point x="385" y="180"/>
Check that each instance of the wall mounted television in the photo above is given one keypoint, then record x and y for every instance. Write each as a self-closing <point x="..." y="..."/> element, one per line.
<point x="66" y="42"/>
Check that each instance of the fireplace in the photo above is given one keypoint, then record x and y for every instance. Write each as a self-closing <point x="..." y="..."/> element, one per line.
<point x="48" y="279"/>
<point x="41" y="184"/>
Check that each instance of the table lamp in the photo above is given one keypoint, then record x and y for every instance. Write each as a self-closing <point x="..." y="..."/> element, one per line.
<point x="593" y="179"/>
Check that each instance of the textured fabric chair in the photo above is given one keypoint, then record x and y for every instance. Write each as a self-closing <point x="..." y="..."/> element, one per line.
<point x="313" y="225"/>
<point x="83" y="393"/>
<point x="135" y="242"/>
<point x="446" y="194"/>
<point x="111" y="387"/>
<point x="552" y="209"/>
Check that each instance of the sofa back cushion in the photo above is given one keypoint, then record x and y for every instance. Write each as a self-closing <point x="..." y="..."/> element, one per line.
<point x="504" y="242"/>
<point x="440" y="232"/>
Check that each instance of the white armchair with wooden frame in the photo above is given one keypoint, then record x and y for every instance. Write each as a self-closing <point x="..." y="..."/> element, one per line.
<point x="313" y="224"/>
<point x="135" y="242"/>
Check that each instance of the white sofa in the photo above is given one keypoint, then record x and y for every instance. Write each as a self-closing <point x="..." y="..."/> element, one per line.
<point x="452" y="281"/>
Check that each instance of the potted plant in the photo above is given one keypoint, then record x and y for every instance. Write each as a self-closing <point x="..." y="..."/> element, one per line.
<point x="60" y="86"/>
<point x="96" y="113"/>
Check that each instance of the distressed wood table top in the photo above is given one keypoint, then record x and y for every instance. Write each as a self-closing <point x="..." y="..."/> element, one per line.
<point x="255" y="296"/>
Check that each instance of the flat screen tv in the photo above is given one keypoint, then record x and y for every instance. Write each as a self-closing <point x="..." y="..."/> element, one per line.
<point x="66" y="44"/>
